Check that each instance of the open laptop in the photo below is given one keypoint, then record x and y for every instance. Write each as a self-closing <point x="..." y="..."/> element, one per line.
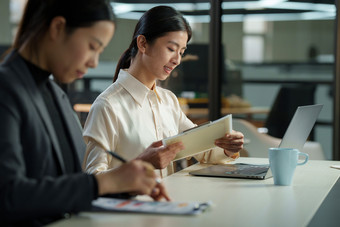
<point x="295" y="137"/>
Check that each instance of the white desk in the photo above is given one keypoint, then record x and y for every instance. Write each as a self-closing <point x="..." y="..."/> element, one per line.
<point x="237" y="202"/>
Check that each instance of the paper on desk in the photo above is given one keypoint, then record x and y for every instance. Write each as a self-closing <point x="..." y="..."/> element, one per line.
<point x="201" y="138"/>
<point x="136" y="206"/>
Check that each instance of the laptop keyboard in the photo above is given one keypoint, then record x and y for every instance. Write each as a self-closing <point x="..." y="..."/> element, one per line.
<point x="249" y="170"/>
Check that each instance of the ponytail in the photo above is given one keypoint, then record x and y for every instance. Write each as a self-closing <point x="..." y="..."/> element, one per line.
<point x="123" y="63"/>
<point x="125" y="60"/>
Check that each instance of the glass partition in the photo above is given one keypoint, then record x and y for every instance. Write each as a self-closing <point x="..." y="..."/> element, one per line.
<point x="284" y="47"/>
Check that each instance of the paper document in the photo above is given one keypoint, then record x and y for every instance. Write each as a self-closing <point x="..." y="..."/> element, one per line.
<point x="136" y="206"/>
<point x="201" y="138"/>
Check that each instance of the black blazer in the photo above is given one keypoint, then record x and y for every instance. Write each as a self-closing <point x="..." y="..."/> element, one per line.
<point x="34" y="188"/>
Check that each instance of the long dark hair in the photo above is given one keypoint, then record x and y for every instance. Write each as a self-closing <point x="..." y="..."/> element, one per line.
<point x="154" y="23"/>
<point x="38" y="15"/>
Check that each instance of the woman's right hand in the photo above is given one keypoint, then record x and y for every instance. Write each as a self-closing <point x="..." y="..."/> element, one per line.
<point x="160" y="156"/>
<point x="136" y="177"/>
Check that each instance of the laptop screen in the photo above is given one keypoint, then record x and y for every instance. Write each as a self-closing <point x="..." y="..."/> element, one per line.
<point x="300" y="126"/>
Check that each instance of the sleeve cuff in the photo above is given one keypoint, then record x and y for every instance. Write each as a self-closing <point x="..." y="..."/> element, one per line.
<point x="216" y="156"/>
<point x="234" y="156"/>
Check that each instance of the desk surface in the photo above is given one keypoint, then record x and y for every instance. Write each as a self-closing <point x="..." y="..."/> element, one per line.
<point x="237" y="202"/>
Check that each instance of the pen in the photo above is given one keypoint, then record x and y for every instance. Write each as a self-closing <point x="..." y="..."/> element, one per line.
<point x="115" y="155"/>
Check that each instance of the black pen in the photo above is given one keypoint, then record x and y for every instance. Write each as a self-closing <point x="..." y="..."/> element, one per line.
<point x="115" y="155"/>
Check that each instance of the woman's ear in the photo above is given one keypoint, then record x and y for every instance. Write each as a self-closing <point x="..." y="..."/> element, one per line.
<point x="141" y="43"/>
<point x="57" y="27"/>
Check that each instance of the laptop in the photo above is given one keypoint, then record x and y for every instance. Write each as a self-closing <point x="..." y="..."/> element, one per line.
<point x="295" y="137"/>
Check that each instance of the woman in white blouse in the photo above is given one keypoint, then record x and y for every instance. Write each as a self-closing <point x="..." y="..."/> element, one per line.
<point x="134" y="112"/>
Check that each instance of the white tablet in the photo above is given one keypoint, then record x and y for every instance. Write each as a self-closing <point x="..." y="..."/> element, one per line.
<point x="201" y="138"/>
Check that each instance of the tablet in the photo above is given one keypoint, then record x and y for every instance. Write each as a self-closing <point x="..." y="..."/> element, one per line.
<point x="201" y="138"/>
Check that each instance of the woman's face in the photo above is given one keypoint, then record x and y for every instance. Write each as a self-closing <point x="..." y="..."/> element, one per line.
<point x="165" y="54"/>
<point x="80" y="50"/>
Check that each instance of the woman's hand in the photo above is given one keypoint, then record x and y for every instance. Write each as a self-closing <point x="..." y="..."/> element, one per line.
<point x="160" y="192"/>
<point x="231" y="143"/>
<point x="137" y="177"/>
<point x="160" y="156"/>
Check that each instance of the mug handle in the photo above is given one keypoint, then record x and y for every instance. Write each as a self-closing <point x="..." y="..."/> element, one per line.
<point x="306" y="158"/>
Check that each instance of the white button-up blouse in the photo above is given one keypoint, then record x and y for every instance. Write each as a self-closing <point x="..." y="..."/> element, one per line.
<point x="128" y="117"/>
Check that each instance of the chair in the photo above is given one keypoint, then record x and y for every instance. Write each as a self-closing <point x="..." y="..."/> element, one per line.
<point x="286" y="102"/>
<point x="257" y="144"/>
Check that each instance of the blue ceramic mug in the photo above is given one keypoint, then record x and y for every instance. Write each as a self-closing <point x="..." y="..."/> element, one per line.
<point x="283" y="162"/>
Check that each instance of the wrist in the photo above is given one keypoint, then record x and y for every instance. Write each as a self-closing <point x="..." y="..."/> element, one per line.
<point x="232" y="155"/>
<point x="104" y="186"/>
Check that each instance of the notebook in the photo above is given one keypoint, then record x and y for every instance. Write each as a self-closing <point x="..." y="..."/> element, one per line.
<point x="295" y="137"/>
<point x="151" y="207"/>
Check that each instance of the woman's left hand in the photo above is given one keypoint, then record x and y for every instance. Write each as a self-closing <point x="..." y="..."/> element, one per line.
<point x="231" y="142"/>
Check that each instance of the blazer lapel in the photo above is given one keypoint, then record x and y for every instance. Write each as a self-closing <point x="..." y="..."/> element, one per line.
<point x="72" y="122"/>
<point x="24" y="74"/>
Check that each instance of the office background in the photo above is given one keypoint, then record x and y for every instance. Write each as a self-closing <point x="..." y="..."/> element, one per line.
<point x="263" y="45"/>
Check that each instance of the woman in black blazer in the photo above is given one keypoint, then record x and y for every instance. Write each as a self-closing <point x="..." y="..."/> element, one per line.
<point x="41" y="145"/>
